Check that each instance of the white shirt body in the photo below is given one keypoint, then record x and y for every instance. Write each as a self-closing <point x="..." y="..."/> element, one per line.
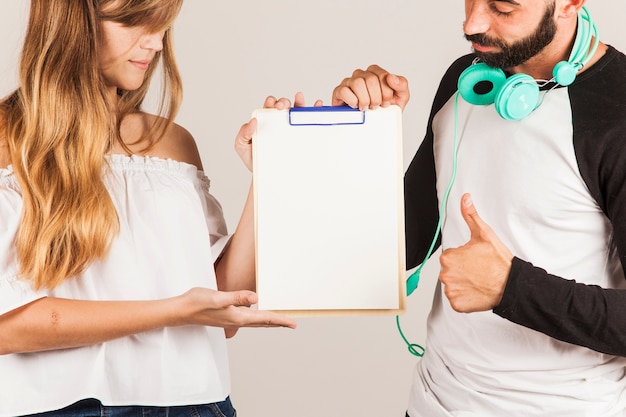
<point x="171" y="230"/>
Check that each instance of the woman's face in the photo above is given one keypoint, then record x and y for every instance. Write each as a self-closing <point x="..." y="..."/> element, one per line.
<point x="125" y="53"/>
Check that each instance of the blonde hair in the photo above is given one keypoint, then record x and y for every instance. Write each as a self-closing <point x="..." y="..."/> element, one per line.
<point x="59" y="126"/>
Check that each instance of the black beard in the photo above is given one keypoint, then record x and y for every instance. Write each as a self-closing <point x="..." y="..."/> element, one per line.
<point x="520" y="51"/>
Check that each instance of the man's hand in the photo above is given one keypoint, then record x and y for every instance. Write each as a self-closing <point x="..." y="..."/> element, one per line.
<point x="372" y="88"/>
<point x="475" y="274"/>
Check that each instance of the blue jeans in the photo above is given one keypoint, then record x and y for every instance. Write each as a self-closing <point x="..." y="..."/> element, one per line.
<point x="94" y="408"/>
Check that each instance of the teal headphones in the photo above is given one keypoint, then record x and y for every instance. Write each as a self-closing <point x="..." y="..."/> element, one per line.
<point x="518" y="96"/>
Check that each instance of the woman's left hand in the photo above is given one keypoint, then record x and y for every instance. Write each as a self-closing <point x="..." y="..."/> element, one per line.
<point x="243" y="141"/>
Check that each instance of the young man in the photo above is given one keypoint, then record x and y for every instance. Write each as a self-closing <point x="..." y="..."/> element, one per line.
<point x="541" y="269"/>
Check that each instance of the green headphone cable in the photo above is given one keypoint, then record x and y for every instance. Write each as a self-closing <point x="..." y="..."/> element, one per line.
<point x="413" y="280"/>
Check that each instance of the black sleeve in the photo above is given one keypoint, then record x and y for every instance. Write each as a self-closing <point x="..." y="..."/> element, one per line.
<point x="421" y="209"/>
<point x="585" y="315"/>
<point x="577" y="313"/>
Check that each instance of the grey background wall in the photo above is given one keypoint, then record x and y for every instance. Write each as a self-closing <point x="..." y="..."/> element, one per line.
<point x="232" y="54"/>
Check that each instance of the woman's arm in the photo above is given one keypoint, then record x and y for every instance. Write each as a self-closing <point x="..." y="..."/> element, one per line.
<point x="235" y="270"/>
<point x="57" y="323"/>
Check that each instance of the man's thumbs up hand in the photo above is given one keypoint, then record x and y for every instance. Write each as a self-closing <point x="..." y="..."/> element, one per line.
<point x="475" y="274"/>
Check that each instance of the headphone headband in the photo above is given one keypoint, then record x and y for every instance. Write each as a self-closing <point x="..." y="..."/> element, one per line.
<point x="585" y="32"/>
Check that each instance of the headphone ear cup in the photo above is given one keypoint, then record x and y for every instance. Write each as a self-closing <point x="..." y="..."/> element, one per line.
<point x="564" y="73"/>
<point x="479" y="84"/>
<point x="518" y="97"/>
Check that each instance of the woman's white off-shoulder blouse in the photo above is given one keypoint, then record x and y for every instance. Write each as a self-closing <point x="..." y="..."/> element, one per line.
<point x="171" y="230"/>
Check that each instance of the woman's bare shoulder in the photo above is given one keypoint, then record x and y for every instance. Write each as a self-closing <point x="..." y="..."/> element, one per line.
<point x="177" y="144"/>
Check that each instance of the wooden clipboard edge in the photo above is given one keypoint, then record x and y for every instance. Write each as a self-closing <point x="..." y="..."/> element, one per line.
<point x="401" y="221"/>
<point x="401" y="236"/>
<point x="255" y="199"/>
<point x="339" y="313"/>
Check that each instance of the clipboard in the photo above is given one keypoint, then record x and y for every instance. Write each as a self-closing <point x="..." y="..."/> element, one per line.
<point x="329" y="211"/>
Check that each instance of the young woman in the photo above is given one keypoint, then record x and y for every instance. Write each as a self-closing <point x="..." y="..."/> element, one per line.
<point x="112" y="250"/>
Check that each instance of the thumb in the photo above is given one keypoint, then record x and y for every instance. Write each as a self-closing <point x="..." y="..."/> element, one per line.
<point x="472" y="219"/>
<point x="238" y="298"/>
<point x="247" y="129"/>
<point x="400" y="86"/>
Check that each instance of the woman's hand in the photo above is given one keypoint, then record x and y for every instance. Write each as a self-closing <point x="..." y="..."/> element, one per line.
<point x="228" y="309"/>
<point x="243" y="141"/>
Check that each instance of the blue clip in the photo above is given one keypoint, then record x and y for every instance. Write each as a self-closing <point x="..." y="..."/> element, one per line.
<point x="325" y="116"/>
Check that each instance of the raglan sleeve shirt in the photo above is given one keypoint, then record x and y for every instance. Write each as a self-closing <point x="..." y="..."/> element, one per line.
<point x="570" y="311"/>
<point x="560" y="307"/>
